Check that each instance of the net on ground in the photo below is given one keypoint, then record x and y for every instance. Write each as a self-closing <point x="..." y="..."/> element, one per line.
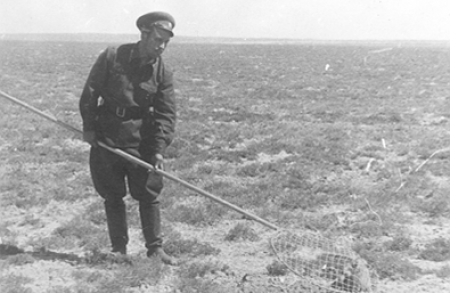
<point x="321" y="262"/>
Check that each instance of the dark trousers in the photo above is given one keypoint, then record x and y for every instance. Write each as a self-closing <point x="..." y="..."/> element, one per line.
<point x="110" y="173"/>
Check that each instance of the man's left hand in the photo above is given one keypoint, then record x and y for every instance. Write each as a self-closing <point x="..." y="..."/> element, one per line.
<point x="158" y="161"/>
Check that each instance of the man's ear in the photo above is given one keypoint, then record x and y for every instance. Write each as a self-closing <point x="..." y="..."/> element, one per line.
<point x="145" y="33"/>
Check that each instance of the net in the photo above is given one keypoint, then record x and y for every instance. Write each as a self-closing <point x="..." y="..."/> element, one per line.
<point x="322" y="263"/>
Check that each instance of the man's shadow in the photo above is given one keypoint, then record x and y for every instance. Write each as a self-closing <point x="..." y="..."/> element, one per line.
<point x="93" y="258"/>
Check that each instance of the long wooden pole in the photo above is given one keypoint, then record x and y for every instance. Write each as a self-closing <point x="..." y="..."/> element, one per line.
<point x="146" y="165"/>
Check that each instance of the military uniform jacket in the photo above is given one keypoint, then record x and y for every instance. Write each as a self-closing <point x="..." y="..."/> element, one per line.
<point x="128" y="105"/>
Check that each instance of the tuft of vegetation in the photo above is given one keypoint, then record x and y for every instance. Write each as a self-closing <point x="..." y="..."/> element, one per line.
<point x="242" y="231"/>
<point x="443" y="272"/>
<point x="193" y="215"/>
<point x="302" y="199"/>
<point x="177" y="246"/>
<point x="200" y="285"/>
<point x="142" y="271"/>
<point x="11" y="283"/>
<point x="391" y="265"/>
<point x="367" y="229"/>
<point x="399" y="243"/>
<point x="438" y="250"/>
<point x="20" y="259"/>
<point x="277" y="268"/>
<point x="202" y="268"/>
<point x="197" y="214"/>
<point x="435" y="207"/>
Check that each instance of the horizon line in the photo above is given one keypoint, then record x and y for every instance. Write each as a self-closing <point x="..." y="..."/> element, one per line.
<point x="222" y="37"/>
<point x="4" y="36"/>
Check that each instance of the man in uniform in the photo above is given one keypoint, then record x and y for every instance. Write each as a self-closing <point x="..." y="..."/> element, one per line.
<point x="128" y="103"/>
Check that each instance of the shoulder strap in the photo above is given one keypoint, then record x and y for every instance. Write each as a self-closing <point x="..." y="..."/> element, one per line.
<point x="119" y="55"/>
<point x="110" y="55"/>
<point x="159" y="70"/>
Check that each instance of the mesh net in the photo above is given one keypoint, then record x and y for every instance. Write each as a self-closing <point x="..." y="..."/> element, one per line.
<point x="322" y="263"/>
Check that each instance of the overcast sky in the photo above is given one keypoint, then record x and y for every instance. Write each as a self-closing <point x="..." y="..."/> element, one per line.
<point x="298" y="19"/>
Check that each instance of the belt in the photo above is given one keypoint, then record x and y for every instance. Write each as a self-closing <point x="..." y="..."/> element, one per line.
<point x="128" y="113"/>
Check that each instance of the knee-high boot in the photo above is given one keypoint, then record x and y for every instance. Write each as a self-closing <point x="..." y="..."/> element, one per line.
<point x="117" y="224"/>
<point x="151" y="228"/>
<point x="151" y="224"/>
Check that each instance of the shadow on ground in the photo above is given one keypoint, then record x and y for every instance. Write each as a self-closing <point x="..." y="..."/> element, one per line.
<point x="95" y="257"/>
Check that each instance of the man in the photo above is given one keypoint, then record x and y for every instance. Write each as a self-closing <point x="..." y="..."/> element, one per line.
<point x="128" y="103"/>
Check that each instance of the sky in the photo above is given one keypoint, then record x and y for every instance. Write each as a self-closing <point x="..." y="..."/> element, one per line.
<point x="292" y="19"/>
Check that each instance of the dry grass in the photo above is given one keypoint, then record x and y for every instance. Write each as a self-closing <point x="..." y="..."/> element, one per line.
<point x="349" y="151"/>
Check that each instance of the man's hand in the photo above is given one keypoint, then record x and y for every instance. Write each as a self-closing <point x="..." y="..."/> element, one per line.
<point x="158" y="160"/>
<point x="90" y="138"/>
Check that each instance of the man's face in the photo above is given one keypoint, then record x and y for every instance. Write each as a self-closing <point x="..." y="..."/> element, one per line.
<point x="153" y="42"/>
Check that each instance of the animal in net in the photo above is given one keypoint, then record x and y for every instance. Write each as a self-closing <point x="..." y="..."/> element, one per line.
<point x="322" y="263"/>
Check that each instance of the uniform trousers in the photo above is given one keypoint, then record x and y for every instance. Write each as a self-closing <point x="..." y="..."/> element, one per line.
<point x="111" y="174"/>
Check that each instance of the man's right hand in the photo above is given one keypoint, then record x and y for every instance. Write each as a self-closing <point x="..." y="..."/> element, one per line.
<point x="90" y="138"/>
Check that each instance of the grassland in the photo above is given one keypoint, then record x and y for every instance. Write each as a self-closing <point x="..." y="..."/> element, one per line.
<point x="348" y="140"/>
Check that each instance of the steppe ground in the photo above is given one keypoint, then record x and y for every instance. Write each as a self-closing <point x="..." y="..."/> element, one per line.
<point x="350" y="140"/>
